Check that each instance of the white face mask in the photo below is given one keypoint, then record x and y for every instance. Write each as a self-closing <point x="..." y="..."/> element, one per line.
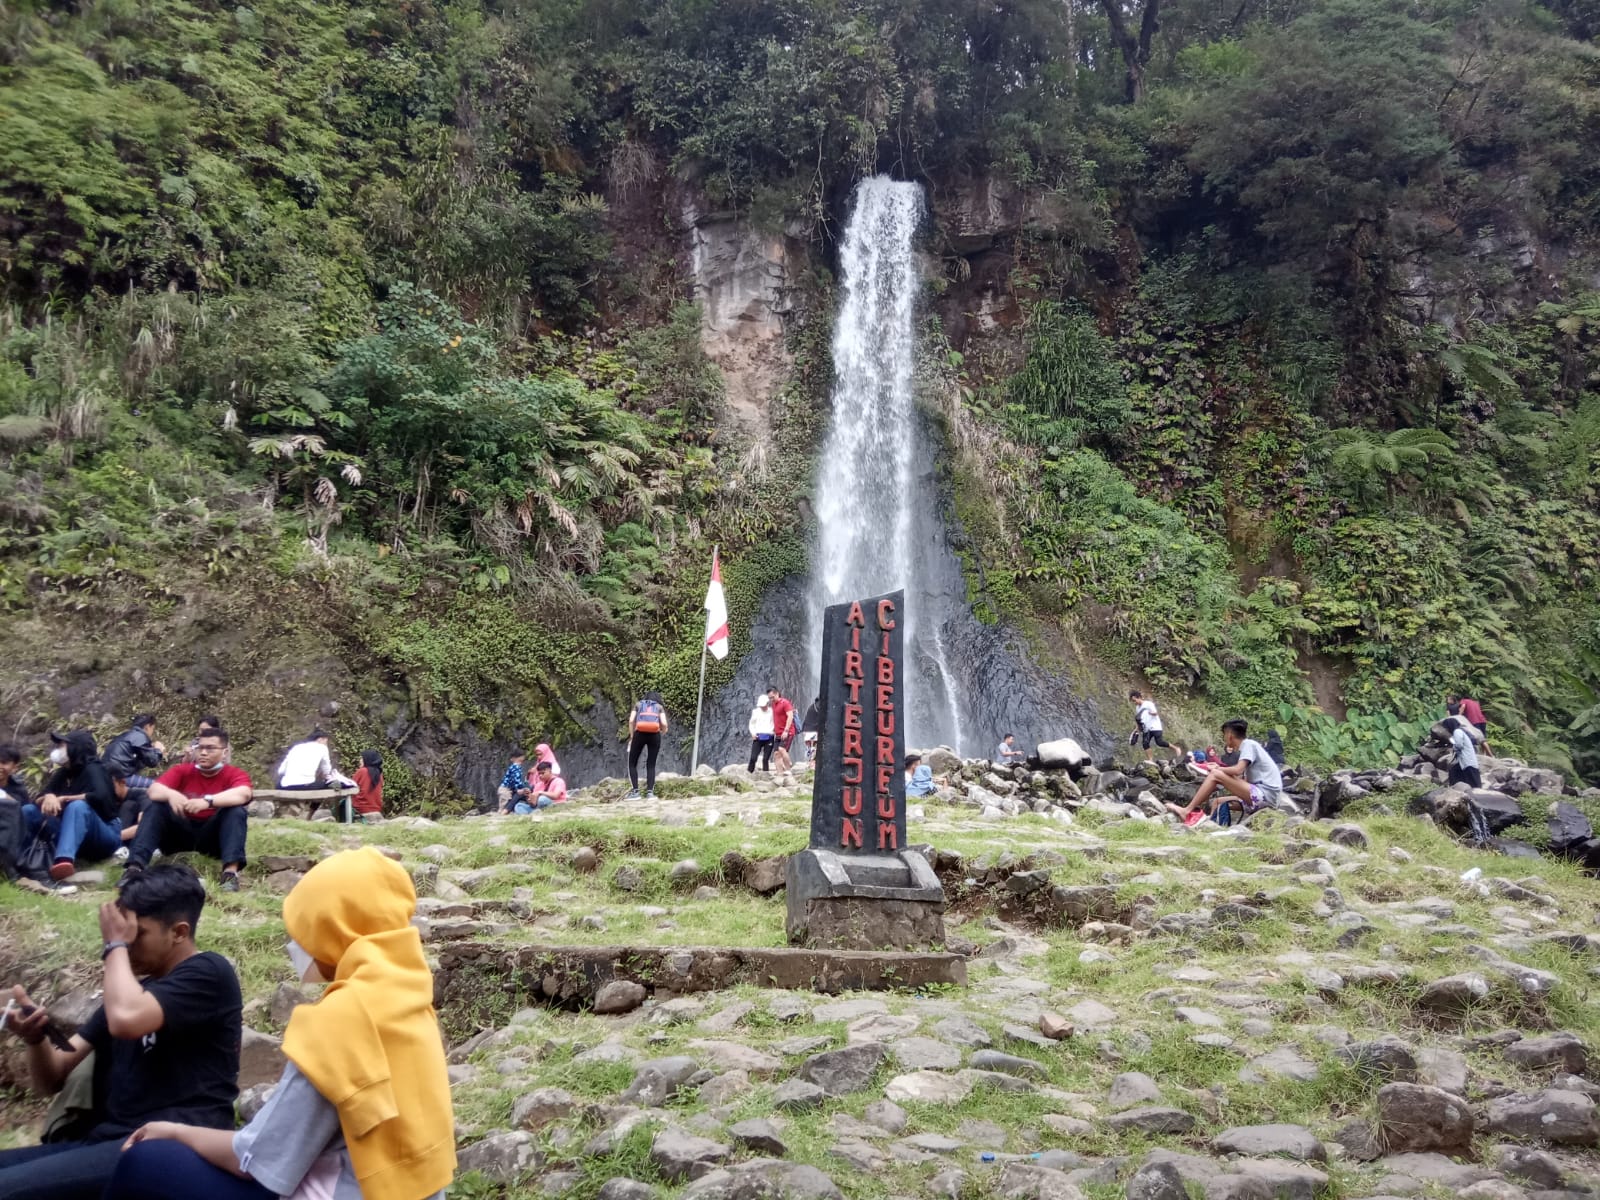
<point x="305" y="967"/>
<point x="59" y="756"/>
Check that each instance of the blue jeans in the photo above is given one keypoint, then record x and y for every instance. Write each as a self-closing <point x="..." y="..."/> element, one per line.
<point x="522" y="808"/>
<point x="168" y="1170"/>
<point x="59" y="1171"/>
<point x="78" y="832"/>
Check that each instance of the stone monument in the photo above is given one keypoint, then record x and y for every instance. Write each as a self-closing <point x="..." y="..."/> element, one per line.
<point x="858" y="886"/>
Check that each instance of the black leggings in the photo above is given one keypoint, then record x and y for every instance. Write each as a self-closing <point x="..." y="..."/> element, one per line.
<point x="640" y="743"/>
<point x="763" y="750"/>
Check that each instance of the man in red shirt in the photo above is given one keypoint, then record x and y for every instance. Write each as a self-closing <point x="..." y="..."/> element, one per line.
<point x="197" y="806"/>
<point x="783" y="728"/>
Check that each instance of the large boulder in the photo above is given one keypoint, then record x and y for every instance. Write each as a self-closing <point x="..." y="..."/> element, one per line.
<point x="1500" y="810"/>
<point x="1415" y="1117"/>
<point x="1063" y="753"/>
<point x="1569" y="828"/>
<point x="1557" y="1116"/>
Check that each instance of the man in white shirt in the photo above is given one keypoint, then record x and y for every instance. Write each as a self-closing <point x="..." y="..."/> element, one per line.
<point x="1008" y="752"/>
<point x="1254" y="780"/>
<point x="1149" y="730"/>
<point x="308" y="765"/>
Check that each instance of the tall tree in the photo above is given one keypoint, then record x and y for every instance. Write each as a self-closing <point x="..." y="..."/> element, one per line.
<point x="1135" y="49"/>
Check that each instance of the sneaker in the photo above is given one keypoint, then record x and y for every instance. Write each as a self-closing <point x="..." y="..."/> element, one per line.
<point x="230" y="881"/>
<point x="651" y="794"/>
<point x="62" y="868"/>
<point x="129" y="873"/>
<point x="121" y="854"/>
<point x="633" y="794"/>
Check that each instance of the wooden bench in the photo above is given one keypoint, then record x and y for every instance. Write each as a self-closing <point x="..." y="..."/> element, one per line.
<point x="299" y="802"/>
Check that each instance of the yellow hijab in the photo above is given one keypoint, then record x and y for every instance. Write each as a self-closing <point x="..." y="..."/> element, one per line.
<point x="374" y="1026"/>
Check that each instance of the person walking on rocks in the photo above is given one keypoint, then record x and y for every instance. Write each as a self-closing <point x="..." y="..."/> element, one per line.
<point x="646" y="723"/>
<point x="783" y="728"/>
<point x="1463" y="755"/>
<point x="761" y="735"/>
<point x="1471" y="712"/>
<point x="1148" y="719"/>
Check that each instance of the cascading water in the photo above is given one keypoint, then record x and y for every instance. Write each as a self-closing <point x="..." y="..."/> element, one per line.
<point x="869" y="528"/>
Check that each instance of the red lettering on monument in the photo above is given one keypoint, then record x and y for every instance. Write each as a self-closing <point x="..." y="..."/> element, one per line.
<point x="855" y="689"/>
<point x="852" y="716"/>
<point x="885" y="607"/>
<point x="845" y="767"/>
<point x="885" y="806"/>
<point x="885" y="649"/>
<point x="852" y="741"/>
<point x="852" y="801"/>
<point x="886" y="721"/>
<point x="885" y="749"/>
<point x="885" y="696"/>
<point x="852" y="665"/>
<point x="885" y="668"/>
<point x="850" y="832"/>
<point x="855" y="639"/>
<point x="889" y="837"/>
<point x="885" y="779"/>
<point x="855" y="616"/>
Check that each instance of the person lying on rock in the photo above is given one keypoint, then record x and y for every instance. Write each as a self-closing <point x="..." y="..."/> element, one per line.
<point x="166" y="1049"/>
<point x="197" y="806"/>
<point x="1253" y="780"/>
<point x="362" y="1110"/>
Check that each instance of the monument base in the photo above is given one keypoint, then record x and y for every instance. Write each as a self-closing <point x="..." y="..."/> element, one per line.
<point x="863" y="901"/>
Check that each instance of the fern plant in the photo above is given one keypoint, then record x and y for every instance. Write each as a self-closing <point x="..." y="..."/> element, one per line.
<point x="1370" y="462"/>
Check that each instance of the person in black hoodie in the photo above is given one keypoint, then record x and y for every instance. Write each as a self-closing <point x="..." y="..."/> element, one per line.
<point x="76" y="807"/>
<point x="136" y="752"/>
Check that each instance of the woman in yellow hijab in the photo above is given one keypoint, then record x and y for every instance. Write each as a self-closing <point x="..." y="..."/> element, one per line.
<point x="362" y="1111"/>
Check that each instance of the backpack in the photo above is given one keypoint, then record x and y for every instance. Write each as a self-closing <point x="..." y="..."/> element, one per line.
<point x="648" y="718"/>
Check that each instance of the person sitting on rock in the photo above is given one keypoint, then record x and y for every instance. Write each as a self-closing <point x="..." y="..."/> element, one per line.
<point x="308" y="765"/>
<point x="368" y="800"/>
<point x="197" y="806"/>
<point x="1008" y="752"/>
<point x="132" y="803"/>
<point x="547" y="788"/>
<point x="165" y="1049"/>
<point x="1463" y="755"/>
<point x="919" y="777"/>
<point x="76" y="808"/>
<point x="1253" y="781"/>
<point x="513" y="789"/>
<point x="363" y="1107"/>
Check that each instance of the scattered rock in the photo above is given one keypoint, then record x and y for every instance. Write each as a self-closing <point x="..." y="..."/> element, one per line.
<point x="1556" y="1116"/>
<point x="840" y="1072"/>
<point x="796" y="1095"/>
<point x="1388" y="1058"/>
<point x="964" y="1031"/>
<point x="628" y="879"/>
<point x="1054" y="1026"/>
<point x="924" y="1054"/>
<point x="585" y="860"/>
<point x="1349" y="835"/>
<point x="1537" y="1167"/>
<point x="1025" y="1181"/>
<point x="502" y="1157"/>
<point x="536" y="1109"/>
<point x="928" y="1087"/>
<point x="1454" y="995"/>
<point x="1006" y="1064"/>
<point x="684" y="870"/>
<point x="1282" y="1063"/>
<point x="1281" y="1141"/>
<point x="886" y="1115"/>
<point x="261" y="1058"/>
<point x="1415" y="1117"/>
<point x="763" y="1179"/>
<point x="758" y="1134"/>
<point x="623" y="1188"/>
<point x="1131" y="1088"/>
<point x="735" y="1056"/>
<point x="1153" y="1119"/>
<point x="679" y="1155"/>
<point x="657" y="1080"/>
<point x="1157" y="1181"/>
<point x="618" y="996"/>
<point x="1359" y="1142"/>
<point x="1442" y="1069"/>
<point x="1562" y="1051"/>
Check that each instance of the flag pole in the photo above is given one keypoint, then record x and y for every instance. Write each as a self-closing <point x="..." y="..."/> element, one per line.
<point x="694" y="755"/>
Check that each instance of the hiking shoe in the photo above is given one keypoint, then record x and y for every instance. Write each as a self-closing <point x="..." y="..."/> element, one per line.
<point x="633" y="794"/>
<point x="62" y="868"/>
<point x="230" y="881"/>
<point x="129" y="873"/>
<point x="121" y="854"/>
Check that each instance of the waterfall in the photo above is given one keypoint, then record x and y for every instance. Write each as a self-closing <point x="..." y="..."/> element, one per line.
<point x="876" y="528"/>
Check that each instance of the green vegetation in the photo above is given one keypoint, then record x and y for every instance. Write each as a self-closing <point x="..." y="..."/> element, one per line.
<point x="379" y="310"/>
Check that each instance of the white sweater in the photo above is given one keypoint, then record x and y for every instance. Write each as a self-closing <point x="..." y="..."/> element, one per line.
<point x="760" y="721"/>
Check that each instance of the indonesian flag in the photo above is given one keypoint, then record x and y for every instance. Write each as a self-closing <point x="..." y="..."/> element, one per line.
<point x="716" y="612"/>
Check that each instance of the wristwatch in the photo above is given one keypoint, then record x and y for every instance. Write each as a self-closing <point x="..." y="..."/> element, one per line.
<point x="105" y="951"/>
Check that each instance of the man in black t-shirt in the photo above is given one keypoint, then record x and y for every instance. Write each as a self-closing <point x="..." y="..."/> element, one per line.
<point x="166" y="1049"/>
